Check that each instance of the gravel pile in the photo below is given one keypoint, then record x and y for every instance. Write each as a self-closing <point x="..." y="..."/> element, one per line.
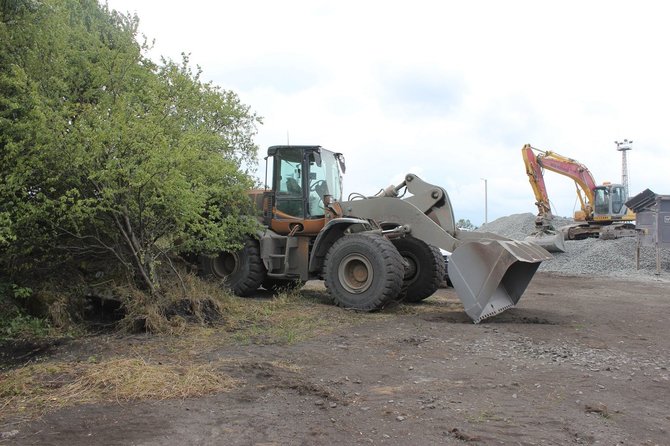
<point x="615" y="258"/>
<point x="519" y="226"/>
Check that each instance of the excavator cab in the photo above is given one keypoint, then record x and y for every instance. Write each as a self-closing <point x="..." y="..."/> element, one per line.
<point x="609" y="202"/>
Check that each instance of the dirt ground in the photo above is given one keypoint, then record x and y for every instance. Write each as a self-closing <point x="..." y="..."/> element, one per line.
<point x="579" y="361"/>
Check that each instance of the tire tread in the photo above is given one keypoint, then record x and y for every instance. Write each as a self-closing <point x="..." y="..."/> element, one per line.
<point x="392" y="278"/>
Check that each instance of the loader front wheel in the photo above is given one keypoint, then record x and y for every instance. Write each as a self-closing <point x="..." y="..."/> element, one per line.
<point x="363" y="272"/>
<point x="425" y="271"/>
<point x="242" y="271"/>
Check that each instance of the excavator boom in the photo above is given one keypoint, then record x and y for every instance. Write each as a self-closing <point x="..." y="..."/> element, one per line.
<point x="536" y="160"/>
<point x="536" y="178"/>
<point x="545" y="234"/>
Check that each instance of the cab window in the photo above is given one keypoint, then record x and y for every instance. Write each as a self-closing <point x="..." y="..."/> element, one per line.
<point x="288" y="179"/>
<point x="324" y="179"/>
<point x="602" y="201"/>
<point x="618" y="199"/>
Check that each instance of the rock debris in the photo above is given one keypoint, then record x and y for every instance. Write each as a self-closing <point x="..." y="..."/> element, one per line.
<point x="614" y="258"/>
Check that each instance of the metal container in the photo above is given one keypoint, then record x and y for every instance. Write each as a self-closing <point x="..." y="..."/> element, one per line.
<point x="652" y="223"/>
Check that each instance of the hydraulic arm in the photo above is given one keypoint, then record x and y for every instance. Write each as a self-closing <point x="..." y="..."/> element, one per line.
<point x="489" y="272"/>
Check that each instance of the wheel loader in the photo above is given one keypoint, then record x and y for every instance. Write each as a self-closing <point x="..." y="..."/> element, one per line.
<point x="369" y="250"/>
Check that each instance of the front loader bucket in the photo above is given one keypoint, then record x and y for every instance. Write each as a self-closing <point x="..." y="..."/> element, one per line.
<point x="490" y="276"/>
<point x="551" y="241"/>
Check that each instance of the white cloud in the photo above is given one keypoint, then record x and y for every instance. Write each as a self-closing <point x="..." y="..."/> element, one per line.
<point x="451" y="90"/>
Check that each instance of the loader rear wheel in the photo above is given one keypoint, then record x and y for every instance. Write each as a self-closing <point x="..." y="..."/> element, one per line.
<point x="425" y="271"/>
<point x="242" y="271"/>
<point x="363" y="272"/>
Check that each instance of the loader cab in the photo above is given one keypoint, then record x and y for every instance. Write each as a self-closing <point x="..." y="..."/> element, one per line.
<point x="305" y="179"/>
<point x="609" y="201"/>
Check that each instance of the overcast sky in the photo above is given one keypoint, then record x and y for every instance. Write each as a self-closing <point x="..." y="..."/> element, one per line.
<point x="449" y="90"/>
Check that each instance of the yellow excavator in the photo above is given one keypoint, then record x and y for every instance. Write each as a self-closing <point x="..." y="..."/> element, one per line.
<point x="369" y="250"/>
<point x="602" y="210"/>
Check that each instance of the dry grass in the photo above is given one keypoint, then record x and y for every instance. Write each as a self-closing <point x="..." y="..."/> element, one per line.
<point x="166" y="366"/>
<point x="289" y="317"/>
<point x="37" y="388"/>
<point x="200" y="301"/>
<point x="286" y="365"/>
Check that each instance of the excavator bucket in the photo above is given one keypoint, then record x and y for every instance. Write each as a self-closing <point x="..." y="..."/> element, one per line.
<point x="490" y="276"/>
<point x="551" y="241"/>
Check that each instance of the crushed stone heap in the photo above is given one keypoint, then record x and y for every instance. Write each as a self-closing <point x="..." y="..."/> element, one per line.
<point x="615" y="258"/>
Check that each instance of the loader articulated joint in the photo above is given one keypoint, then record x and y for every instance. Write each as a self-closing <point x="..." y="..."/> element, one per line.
<point x="398" y="231"/>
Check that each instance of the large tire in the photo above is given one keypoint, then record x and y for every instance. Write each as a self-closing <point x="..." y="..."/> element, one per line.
<point x="242" y="271"/>
<point x="363" y="272"/>
<point x="425" y="271"/>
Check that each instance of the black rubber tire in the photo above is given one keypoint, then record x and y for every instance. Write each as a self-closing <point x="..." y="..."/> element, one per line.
<point x="242" y="271"/>
<point x="277" y="286"/>
<point x="363" y="272"/>
<point x="426" y="268"/>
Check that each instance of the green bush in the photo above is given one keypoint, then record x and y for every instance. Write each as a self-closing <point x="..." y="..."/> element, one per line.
<point x="108" y="157"/>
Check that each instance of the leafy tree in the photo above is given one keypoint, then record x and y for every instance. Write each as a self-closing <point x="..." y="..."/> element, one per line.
<point x="106" y="154"/>
<point x="465" y="224"/>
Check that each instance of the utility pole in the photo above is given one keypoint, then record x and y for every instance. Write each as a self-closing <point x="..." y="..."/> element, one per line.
<point x="623" y="147"/>
<point x="486" y="200"/>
